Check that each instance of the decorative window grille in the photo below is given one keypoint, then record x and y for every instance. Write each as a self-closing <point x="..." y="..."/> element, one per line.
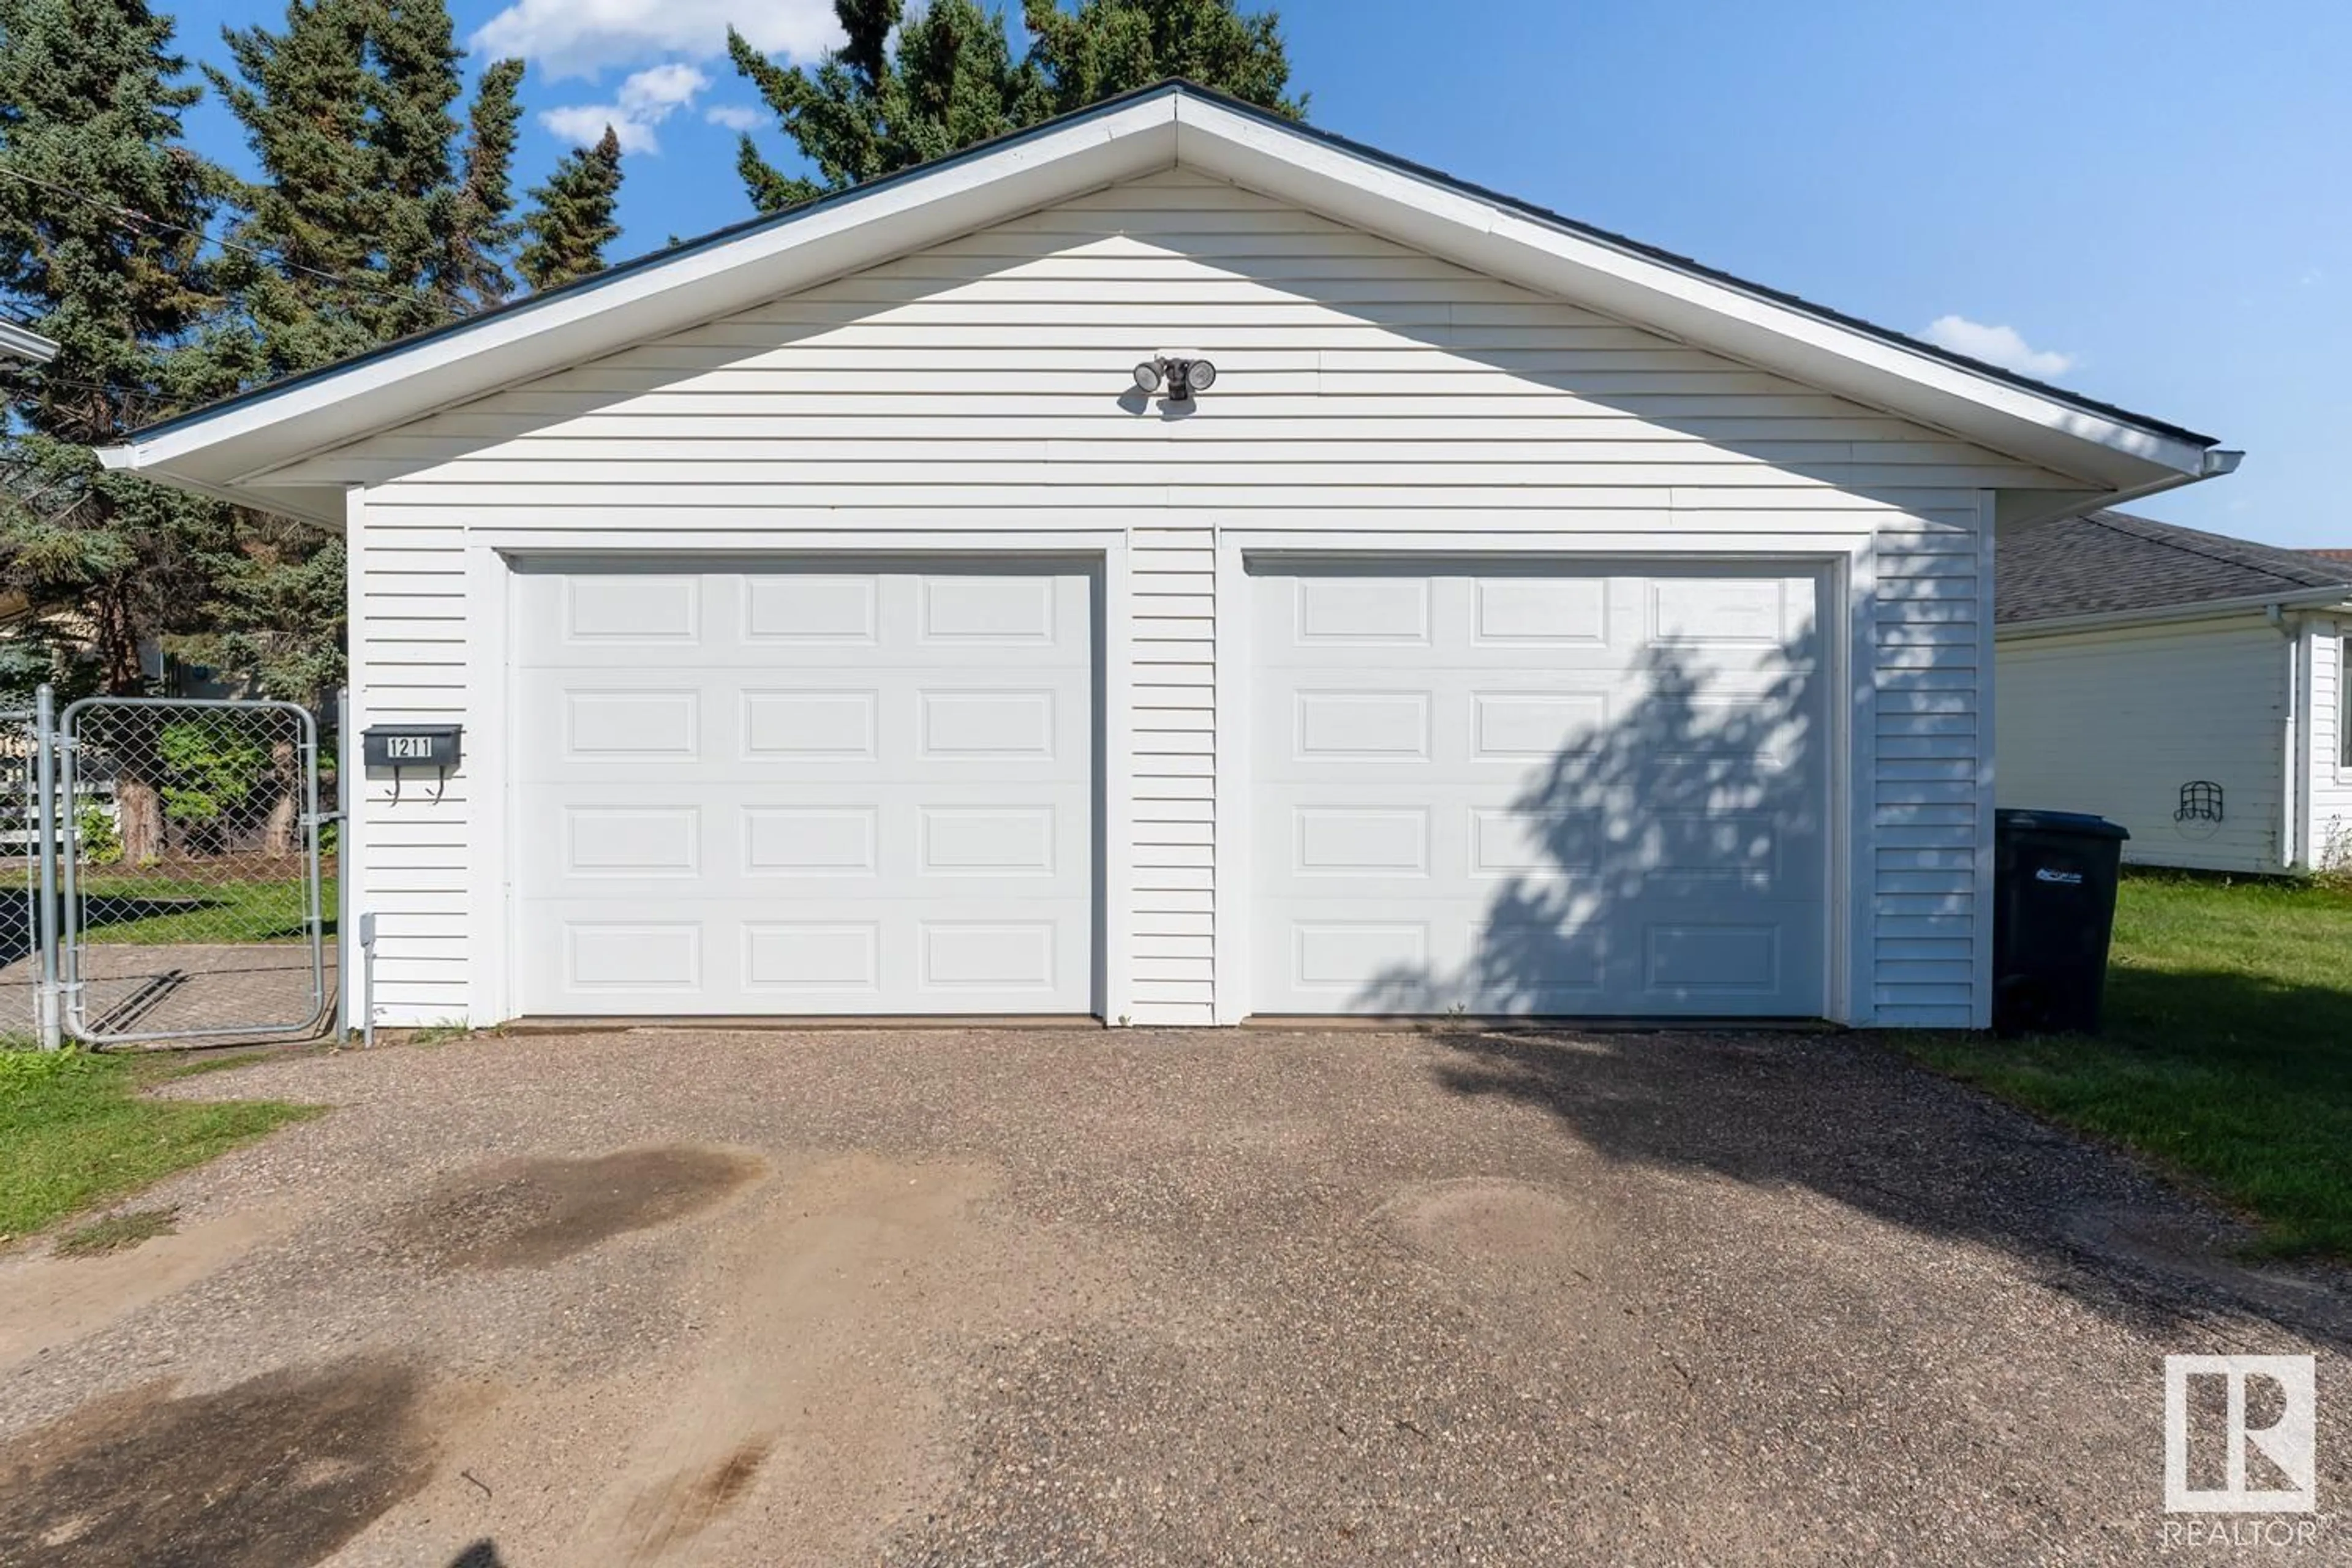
<point x="2200" y="802"/>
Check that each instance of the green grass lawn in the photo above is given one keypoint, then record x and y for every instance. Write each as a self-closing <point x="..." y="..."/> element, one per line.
<point x="208" y="911"/>
<point x="2227" y="1054"/>
<point x="75" y="1132"/>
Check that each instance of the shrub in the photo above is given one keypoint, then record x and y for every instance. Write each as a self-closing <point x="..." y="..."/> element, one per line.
<point x="2333" y="864"/>
<point x="213" y="772"/>
<point x="98" y="836"/>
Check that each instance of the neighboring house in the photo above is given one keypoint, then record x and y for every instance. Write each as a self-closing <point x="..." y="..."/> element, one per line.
<point x="1525" y="621"/>
<point x="2187" y="685"/>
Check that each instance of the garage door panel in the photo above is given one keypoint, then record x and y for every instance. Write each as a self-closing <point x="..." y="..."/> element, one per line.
<point x="1521" y="958"/>
<point x="1378" y="847"/>
<point x="850" y="954"/>
<point x="1713" y="620"/>
<point x="592" y="617"/>
<point x="768" y="722"/>
<point x="808" y="611"/>
<point x="1330" y="724"/>
<point x="1552" y="790"/>
<point x="921" y="839"/>
<point x="856" y="792"/>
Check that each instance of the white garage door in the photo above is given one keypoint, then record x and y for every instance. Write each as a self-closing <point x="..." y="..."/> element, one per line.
<point x="806" y="788"/>
<point x="1538" y="791"/>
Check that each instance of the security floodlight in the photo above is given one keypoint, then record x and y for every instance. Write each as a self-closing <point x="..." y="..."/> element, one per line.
<point x="1181" y="371"/>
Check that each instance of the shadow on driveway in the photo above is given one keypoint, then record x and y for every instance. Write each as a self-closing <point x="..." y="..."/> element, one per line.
<point x="1847" y="1118"/>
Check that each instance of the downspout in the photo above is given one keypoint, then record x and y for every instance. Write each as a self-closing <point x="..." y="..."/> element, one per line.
<point x="2291" y="746"/>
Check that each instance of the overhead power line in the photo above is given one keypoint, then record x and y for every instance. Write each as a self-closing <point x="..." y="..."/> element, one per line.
<point x="134" y="215"/>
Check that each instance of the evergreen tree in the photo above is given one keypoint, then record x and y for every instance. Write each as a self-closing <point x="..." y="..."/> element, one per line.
<point x="101" y="212"/>
<point x="484" y="230"/>
<point x="1110" y="46"/>
<point x="373" y="219"/>
<point x="278" y="610"/>
<point x="308" y="280"/>
<point x="370" y="221"/>
<point x="870" y="108"/>
<point x="572" y="221"/>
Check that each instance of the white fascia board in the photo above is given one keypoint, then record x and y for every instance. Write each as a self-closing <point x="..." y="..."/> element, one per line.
<point x="2169" y="615"/>
<point x="1460" y="226"/>
<point x="245" y="440"/>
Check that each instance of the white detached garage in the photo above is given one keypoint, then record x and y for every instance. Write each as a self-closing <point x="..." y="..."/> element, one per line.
<point x="1523" y="622"/>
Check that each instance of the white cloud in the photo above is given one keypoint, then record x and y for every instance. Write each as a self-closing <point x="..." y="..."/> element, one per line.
<point x="736" y="116"/>
<point x="2003" y="346"/>
<point x="644" y="102"/>
<point x="663" y="88"/>
<point x="581" y="37"/>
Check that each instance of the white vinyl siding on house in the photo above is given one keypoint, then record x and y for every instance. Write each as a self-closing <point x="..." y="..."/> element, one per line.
<point x="982" y="386"/>
<point x="2114" y="721"/>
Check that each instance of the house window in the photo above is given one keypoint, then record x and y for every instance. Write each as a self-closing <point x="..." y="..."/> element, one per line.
<point x="2344" y="705"/>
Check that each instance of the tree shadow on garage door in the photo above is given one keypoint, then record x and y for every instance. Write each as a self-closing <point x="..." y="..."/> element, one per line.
<point x="1669" y="859"/>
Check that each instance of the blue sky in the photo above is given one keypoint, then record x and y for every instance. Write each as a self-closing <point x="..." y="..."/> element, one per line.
<point x="2146" y="202"/>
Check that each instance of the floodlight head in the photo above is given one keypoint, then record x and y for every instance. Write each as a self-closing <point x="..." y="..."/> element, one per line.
<point x="1181" y="371"/>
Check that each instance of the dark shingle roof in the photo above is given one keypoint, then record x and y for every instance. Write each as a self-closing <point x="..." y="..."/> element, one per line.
<point x="2111" y="561"/>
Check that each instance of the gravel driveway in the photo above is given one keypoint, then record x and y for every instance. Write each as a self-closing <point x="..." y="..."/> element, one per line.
<point x="1072" y="1296"/>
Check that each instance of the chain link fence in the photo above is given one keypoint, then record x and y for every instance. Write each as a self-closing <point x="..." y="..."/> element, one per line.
<point x="20" y="880"/>
<point x="192" y="884"/>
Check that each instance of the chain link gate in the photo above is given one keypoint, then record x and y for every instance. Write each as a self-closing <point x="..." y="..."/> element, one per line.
<point x="190" y="904"/>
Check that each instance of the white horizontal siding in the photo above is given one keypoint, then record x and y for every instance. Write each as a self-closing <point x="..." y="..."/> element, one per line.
<point x="1172" y="573"/>
<point x="2115" y="722"/>
<point x="981" y="383"/>
<point x="1927" y="751"/>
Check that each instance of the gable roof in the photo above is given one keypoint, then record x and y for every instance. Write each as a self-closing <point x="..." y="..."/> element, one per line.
<point x="229" y="448"/>
<point x="2112" y="564"/>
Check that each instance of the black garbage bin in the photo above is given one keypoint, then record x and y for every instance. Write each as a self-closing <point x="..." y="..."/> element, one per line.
<point x="2054" y="910"/>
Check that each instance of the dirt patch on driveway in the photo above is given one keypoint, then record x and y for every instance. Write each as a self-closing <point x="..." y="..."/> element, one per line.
<point x="282" y="1468"/>
<point x="1497" y="1227"/>
<point x="53" y="1301"/>
<point x="817" y="1410"/>
<point x="523" y="1213"/>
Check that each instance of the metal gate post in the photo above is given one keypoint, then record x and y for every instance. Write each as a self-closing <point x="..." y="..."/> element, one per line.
<point x="342" y="820"/>
<point x="47" y="824"/>
<point x="367" y="981"/>
<point x="66" y="922"/>
<point x="307" y="749"/>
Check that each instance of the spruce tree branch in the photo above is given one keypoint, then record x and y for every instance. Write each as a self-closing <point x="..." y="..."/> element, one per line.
<point x="133" y="215"/>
